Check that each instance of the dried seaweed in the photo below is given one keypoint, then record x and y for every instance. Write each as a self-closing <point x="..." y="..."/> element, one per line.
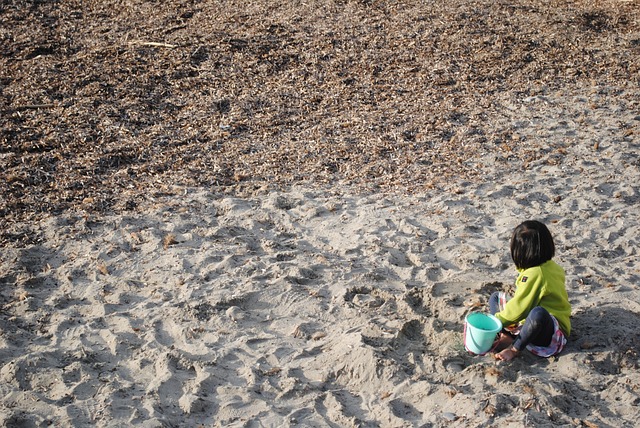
<point x="104" y="104"/>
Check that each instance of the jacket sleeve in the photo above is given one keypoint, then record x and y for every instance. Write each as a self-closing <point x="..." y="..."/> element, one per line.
<point x="528" y="290"/>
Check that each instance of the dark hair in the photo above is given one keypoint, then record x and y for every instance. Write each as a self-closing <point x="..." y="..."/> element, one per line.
<point x="531" y="244"/>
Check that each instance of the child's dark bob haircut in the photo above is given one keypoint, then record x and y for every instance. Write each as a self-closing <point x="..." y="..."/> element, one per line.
<point x="531" y="244"/>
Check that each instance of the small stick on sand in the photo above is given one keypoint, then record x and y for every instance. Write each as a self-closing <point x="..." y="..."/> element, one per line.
<point x="33" y="106"/>
<point x="156" y="44"/>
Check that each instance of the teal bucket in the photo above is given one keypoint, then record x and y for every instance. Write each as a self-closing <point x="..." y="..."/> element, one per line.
<point x="480" y="332"/>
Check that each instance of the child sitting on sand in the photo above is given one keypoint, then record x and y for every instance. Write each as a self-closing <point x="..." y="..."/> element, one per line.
<point x="537" y="316"/>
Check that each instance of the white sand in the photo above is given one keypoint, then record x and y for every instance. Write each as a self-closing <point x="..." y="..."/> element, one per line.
<point x="325" y="307"/>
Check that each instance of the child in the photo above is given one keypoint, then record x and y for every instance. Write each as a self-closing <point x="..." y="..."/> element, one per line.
<point x="537" y="316"/>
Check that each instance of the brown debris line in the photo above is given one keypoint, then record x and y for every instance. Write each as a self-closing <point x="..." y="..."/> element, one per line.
<point x="102" y="101"/>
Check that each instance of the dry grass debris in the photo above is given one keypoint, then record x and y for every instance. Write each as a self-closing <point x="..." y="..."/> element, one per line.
<point x="104" y="103"/>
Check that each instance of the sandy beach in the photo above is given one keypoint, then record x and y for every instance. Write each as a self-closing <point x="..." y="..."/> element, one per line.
<point x="328" y="300"/>
<point x="322" y="307"/>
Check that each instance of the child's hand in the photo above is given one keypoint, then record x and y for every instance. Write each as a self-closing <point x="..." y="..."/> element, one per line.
<point x="513" y="328"/>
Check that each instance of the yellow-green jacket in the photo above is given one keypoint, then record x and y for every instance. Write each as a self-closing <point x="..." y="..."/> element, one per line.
<point x="539" y="286"/>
